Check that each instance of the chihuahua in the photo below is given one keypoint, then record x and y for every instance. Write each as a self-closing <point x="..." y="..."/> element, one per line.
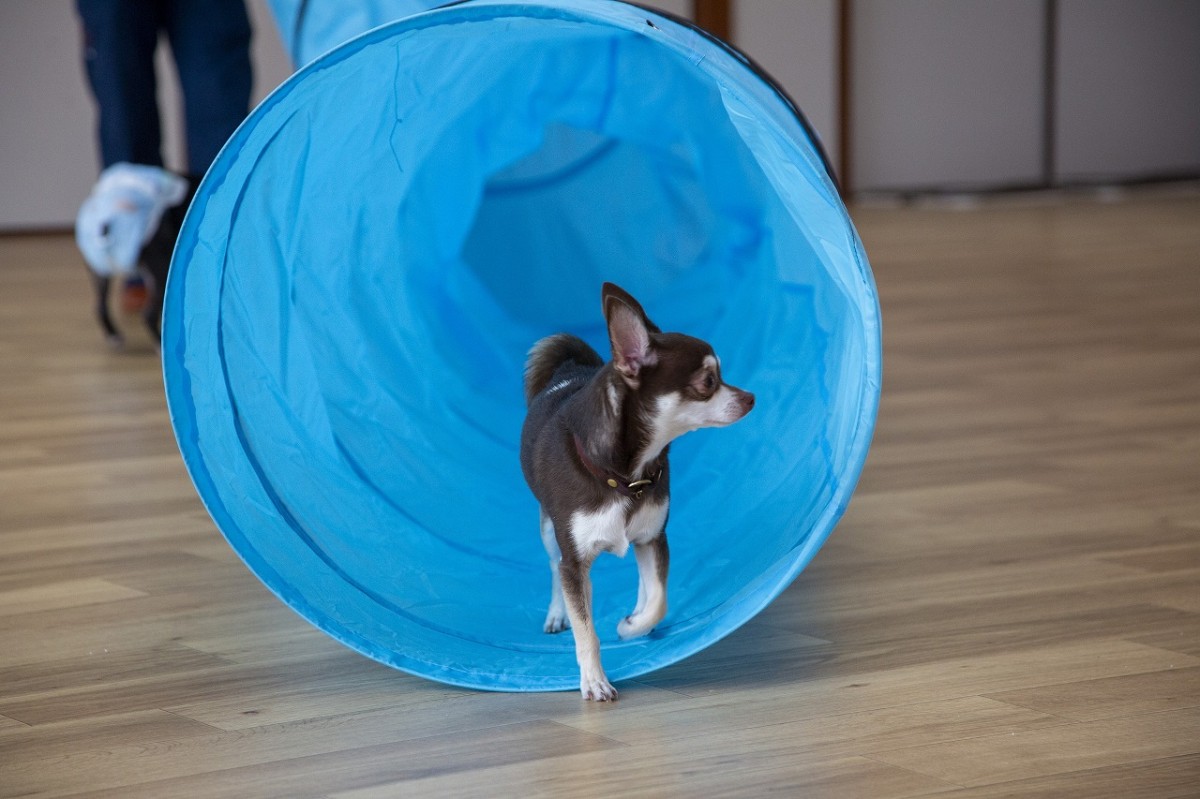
<point x="594" y="453"/>
<point x="154" y="261"/>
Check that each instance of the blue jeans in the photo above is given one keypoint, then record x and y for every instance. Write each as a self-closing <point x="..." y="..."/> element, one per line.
<point x="210" y="42"/>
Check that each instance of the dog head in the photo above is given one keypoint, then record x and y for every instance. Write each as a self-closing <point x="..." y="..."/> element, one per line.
<point x="674" y="380"/>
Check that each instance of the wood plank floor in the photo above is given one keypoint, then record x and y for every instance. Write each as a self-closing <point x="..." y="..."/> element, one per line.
<point x="1011" y="606"/>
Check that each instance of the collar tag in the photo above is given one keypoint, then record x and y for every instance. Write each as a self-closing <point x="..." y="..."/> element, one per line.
<point x="633" y="490"/>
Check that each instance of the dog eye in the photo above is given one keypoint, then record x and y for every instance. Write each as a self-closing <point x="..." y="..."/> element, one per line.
<point x="710" y="382"/>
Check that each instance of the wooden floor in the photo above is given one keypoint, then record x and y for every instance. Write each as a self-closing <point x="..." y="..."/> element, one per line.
<point x="1011" y="606"/>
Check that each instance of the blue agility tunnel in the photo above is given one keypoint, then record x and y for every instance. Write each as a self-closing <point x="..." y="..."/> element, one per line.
<point x="377" y="247"/>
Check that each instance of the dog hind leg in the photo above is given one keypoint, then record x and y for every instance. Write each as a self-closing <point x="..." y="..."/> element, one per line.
<point x="556" y="618"/>
<point x="652" y="559"/>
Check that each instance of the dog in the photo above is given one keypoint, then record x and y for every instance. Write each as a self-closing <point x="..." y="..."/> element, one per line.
<point x="154" y="262"/>
<point x="594" y="453"/>
<point x="130" y="221"/>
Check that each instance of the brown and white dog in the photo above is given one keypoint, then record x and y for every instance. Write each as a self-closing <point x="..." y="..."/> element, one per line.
<point x="594" y="452"/>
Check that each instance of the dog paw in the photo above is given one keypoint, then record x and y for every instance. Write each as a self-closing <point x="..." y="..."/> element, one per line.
<point x="597" y="689"/>
<point x="637" y="625"/>
<point x="629" y="627"/>
<point x="556" y="623"/>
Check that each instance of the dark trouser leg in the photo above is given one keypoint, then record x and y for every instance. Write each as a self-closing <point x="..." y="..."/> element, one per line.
<point x="120" y="37"/>
<point x="210" y="40"/>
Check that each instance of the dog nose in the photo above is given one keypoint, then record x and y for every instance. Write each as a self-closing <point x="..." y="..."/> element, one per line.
<point x="747" y="401"/>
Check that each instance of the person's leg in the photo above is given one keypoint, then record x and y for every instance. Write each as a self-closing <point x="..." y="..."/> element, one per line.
<point x="119" y="39"/>
<point x="210" y="40"/>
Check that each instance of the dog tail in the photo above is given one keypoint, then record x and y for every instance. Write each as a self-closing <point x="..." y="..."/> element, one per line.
<point x="549" y="354"/>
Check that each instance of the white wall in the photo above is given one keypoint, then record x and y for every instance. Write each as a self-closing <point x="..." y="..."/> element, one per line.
<point x="1128" y="88"/>
<point x="946" y="93"/>
<point x="680" y="8"/>
<point x="796" y="42"/>
<point x="951" y="94"/>
<point x="47" y="150"/>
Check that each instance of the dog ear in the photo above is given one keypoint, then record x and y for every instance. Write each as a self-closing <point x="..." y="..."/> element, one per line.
<point x="628" y="332"/>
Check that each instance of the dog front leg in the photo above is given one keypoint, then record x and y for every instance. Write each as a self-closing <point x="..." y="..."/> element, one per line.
<point x="577" y="591"/>
<point x="652" y="559"/>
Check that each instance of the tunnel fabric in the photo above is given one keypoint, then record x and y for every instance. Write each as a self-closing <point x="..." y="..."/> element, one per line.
<point x="377" y="247"/>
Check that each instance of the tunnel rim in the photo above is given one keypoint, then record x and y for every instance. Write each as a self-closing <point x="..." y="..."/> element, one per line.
<point x="739" y="612"/>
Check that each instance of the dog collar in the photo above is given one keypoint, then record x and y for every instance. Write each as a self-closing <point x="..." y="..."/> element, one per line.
<point x="633" y="490"/>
